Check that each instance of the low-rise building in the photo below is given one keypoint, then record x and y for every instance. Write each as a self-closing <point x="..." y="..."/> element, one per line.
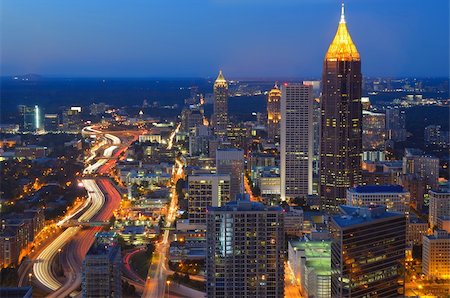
<point x="394" y="197"/>
<point x="310" y="261"/>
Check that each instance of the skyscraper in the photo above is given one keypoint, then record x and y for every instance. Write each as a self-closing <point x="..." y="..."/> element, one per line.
<point x="31" y="118"/>
<point x="206" y="190"/>
<point x="341" y="119"/>
<point x="102" y="271"/>
<point x="273" y="113"/>
<point x="368" y="252"/>
<point x="220" y="121"/>
<point x="296" y="146"/>
<point x="245" y="250"/>
<point x="230" y="161"/>
<point x="395" y="124"/>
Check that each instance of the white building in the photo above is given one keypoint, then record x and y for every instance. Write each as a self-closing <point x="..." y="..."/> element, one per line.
<point x="310" y="261"/>
<point x="394" y="197"/>
<point x="435" y="255"/>
<point x="296" y="146"/>
<point x="439" y="205"/>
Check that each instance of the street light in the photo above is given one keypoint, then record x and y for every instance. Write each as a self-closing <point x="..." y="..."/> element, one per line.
<point x="30" y="275"/>
<point x="168" y="288"/>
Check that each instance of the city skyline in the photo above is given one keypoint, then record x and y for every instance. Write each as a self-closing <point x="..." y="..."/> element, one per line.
<point x="82" y="40"/>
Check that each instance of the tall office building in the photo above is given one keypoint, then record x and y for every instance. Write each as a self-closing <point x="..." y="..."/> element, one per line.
<point x="220" y="121"/>
<point x="230" y="161"/>
<point x="245" y="250"/>
<point x="274" y="113"/>
<point x="367" y="252"/>
<point x="206" y="190"/>
<point x="32" y="118"/>
<point x="72" y="119"/>
<point x="102" y="273"/>
<point x="396" y="124"/>
<point x="341" y="120"/>
<point x="296" y="142"/>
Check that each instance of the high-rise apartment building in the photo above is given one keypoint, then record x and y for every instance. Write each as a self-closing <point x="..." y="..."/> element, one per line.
<point x="425" y="166"/>
<point x="396" y="124"/>
<point x="439" y="205"/>
<point x="102" y="273"/>
<point x="230" y="161"/>
<point x="435" y="255"/>
<point x="296" y="142"/>
<point x="394" y="197"/>
<point x="220" y="121"/>
<point x="367" y="252"/>
<point x="374" y="132"/>
<point x="206" y="190"/>
<point x="341" y="119"/>
<point x="245" y="250"/>
<point x="274" y="113"/>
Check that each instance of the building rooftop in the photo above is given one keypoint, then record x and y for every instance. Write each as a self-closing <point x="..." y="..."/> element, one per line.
<point x="377" y="189"/>
<point x="439" y="234"/>
<point x="361" y="215"/>
<point x="243" y="203"/>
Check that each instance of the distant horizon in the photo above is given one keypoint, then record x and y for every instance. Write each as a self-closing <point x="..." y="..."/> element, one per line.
<point x="212" y="77"/>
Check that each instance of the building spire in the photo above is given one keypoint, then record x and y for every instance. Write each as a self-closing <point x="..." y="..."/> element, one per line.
<point x="342" y="14"/>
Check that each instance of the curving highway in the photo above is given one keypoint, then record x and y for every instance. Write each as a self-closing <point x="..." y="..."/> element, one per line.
<point x="72" y="245"/>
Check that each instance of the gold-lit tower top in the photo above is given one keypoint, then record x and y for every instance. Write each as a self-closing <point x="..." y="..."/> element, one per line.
<point x="275" y="90"/>
<point x="220" y="81"/>
<point x="342" y="48"/>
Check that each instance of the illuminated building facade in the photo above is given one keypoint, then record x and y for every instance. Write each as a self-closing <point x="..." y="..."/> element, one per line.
<point x="439" y="205"/>
<point x="296" y="142"/>
<point x="435" y="255"/>
<point x="341" y="120"/>
<point x="32" y="118"/>
<point x="273" y="113"/>
<point x="245" y="250"/>
<point x="204" y="191"/>
<point x="220" y="121"/>
<point x="310" y="260"/>
<point x="394" y="197"/>
<point x="368" y="252"/>
<point x="374" y="132"/>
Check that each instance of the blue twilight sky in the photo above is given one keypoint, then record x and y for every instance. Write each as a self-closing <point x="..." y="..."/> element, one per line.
<point x="246" y="38"/>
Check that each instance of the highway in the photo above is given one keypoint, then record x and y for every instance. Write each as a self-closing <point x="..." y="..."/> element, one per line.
<point x="71" y="246"/>
<point x="43" y="266"/>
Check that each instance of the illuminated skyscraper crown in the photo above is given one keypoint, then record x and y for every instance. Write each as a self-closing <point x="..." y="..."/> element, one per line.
<point x="342" y="48"/>
<point x="220" y="81"/>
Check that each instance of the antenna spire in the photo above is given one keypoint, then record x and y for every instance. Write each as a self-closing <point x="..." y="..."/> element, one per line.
<point x="342" y="14"/>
